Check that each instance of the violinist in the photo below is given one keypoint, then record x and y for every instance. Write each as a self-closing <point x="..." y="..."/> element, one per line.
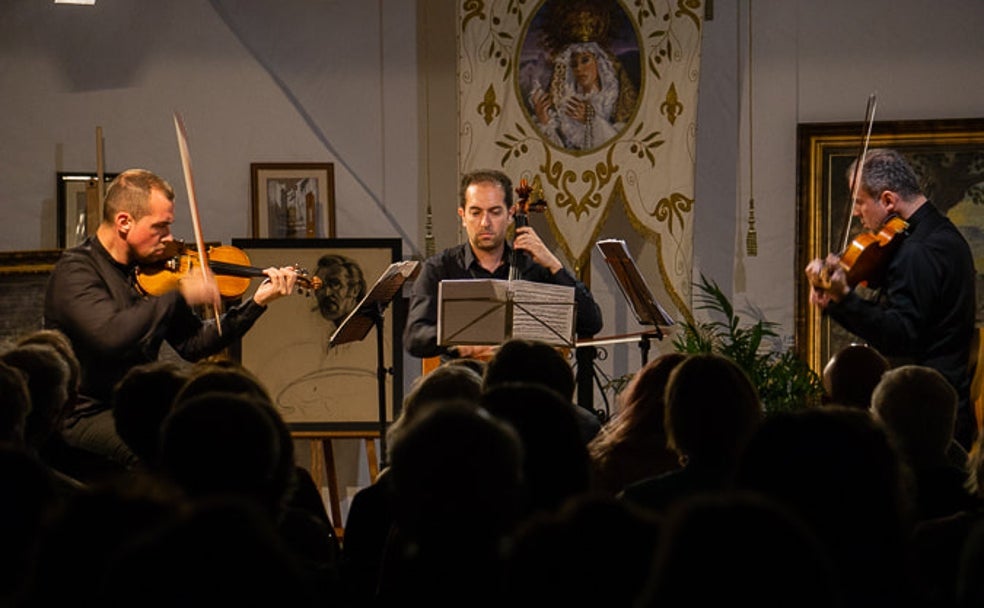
<point x="923" y="311"/>
<point x="92" y="297"/>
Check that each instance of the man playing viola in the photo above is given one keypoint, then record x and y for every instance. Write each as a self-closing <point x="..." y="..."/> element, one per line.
<point x="486" y="210"/>
<point x="93" y="298"/>
<point x="924" y="309"/>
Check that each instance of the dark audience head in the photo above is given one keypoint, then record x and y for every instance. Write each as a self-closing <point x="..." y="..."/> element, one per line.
<point x="142" y="399"/>
<point x="918" y="406"/>
<point x="455" y="476"/>
<point x="738" y="549"/>
<point x="227" y="444"/>
<point x="446" y="383"/>
<point x="593" y="551"/>
<point x="712" y="408"/>
<point x="643" y="411"/>
<point x="222" y="375"/>
<point x="15" y="404"/>
<point x="533" y="361"/>
<point x="47" y="376"/>
<point x="851" y="375"/>
<point x="556" y="465"/>
<point x="60" y="342"/>
<point x="836" y="467"/>
<point x="217" y="552"/>
<point x="83" y="538"/>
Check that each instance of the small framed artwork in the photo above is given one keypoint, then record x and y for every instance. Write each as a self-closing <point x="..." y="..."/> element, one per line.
<point x="293" y="200"/>
<point x="948" y="157"/>
<point x="315" y="386"/>
<point x="77" y="192"/>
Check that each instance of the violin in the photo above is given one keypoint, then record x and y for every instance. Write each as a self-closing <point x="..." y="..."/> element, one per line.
<point x="522" y="207"/>
<point x="229" y="264"/>
<point x="866" y="259"/>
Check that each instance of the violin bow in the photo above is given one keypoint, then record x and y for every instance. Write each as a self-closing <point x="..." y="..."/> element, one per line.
<point x="193" y="204"/>
<point x="869" y="121"/>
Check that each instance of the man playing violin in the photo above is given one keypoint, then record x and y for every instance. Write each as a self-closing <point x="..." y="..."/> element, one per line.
<point x="93" y="298"/>
<point x="486" y="210"/>
<point x="924" y="309"/>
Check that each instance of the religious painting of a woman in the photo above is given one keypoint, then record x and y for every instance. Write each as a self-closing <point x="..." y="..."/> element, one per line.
<point x="579" y="72"/>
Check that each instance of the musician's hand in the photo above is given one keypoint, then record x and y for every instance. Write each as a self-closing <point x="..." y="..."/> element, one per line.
<point x="279" y="282"/>
<point x="481" y="352"/>
<point x="529" y="241"/>
<point x="828" y="282"/>
<point x="199" y="289"/>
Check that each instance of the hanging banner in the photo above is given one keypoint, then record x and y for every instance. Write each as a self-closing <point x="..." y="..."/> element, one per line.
<point x="594" y="102"/>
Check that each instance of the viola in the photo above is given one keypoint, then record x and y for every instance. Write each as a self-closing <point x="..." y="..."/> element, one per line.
<point x="229" y="264"/>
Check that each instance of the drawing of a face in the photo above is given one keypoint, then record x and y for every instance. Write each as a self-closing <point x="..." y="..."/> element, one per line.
<point x="343" y="285"/>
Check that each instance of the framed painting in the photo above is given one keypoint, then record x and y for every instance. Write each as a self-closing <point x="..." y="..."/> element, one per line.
<point x="77" y="192"/>
<point x="293" y="200"/>
<point x="948" y="156"/>
<point x="317" y="388"/>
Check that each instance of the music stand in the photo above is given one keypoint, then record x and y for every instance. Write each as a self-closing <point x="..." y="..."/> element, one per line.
<point x="635" y="290"/>
<point x="369" y="314"/>
<point x="492" y="311"/>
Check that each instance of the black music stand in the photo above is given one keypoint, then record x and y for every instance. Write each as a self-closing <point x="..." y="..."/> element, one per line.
<point x="369" y="314"/>
<point x="635" y="290"/>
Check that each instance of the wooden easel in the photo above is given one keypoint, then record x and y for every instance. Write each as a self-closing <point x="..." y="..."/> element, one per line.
<point x="323" y="465"/>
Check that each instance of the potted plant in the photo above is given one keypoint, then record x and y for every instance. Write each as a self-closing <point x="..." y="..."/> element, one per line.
<point x="784" y="381"/>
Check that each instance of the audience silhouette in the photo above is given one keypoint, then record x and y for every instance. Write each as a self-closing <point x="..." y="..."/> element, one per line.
<point x="142" y="399"/>
<point x="837" y="469"/>
<point x="632" y="445"/>
<point x="919" y="408"/>
<point x="738" y="549"/>
<point x="556" y="466"/>
<point x="455" y="488"/>
<point x="498" y="491"/>
<point x="370" y="515"/>
<point x="851" y="375"/>
<point x="712" y="409"/>
<point x="534" y="361"/>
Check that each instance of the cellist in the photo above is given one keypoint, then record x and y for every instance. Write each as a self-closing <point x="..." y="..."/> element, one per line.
<point x="923" y="311"/>
<point x="93" y="298"/>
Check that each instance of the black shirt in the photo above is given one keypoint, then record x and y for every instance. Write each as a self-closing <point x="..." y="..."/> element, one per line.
<point x="925" y="312"/>
<point x="420" y="335"/>
<point x="93" y="299"/>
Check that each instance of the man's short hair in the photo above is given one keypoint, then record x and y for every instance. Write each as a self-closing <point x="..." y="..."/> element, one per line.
<point x="130" y="192"/>
<point x="486" y="176"/>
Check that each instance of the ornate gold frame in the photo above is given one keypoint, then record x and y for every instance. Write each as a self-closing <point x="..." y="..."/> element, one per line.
<point x="941" y="152"/>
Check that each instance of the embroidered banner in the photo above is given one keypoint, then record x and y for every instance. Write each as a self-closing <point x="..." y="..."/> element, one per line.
<point x="595" y="103"/>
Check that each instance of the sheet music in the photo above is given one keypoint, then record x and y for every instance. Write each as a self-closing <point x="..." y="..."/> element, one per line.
<point x="542" y="311"/>
<point x="491" y="311"/>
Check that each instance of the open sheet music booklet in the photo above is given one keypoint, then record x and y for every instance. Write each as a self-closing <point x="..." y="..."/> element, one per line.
<point x="491" y="311"/>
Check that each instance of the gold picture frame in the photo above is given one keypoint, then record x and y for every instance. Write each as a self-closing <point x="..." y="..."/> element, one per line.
<point x="293" y="200"/>
<point x="947" y="154"/>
